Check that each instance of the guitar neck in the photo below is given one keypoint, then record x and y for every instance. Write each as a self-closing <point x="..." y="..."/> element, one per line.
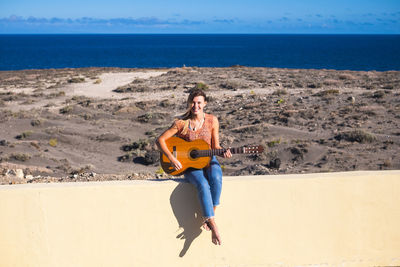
<point x="219" y="152"/>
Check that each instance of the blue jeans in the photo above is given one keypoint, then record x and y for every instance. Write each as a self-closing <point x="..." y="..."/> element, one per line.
<point x="208" y="182"/>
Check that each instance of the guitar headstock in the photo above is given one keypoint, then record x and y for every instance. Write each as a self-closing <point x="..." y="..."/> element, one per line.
<point x="253" y="149"/>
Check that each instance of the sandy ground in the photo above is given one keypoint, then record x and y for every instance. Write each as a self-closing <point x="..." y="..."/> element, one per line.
<point x="100" y="123"/>
<point x="109" y="81"/>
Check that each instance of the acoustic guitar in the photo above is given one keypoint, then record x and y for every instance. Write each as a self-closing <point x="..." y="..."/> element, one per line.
<point x="196" y="154"/>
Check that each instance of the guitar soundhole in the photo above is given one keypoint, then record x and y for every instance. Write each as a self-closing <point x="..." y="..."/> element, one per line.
<point x="194" y="154"/>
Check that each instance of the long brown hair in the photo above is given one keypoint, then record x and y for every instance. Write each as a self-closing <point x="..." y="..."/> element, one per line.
<point x="193" y="94"/>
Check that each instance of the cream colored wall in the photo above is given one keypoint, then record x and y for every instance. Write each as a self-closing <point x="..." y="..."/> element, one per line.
<point x="332" y="219"/>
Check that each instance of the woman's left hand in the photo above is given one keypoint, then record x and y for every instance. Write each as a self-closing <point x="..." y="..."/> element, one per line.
<point x="227" y="153"/>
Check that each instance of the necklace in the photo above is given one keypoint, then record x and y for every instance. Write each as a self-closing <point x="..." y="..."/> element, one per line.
<point x="194" y="128"/>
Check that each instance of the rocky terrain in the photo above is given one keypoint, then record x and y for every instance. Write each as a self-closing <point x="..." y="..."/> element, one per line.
<point x="92" y="124"/>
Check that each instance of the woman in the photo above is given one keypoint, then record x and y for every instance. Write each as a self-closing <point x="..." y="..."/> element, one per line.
<point x="196" y="124"/>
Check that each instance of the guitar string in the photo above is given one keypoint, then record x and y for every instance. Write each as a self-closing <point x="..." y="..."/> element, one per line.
<point x="211" y="152"/>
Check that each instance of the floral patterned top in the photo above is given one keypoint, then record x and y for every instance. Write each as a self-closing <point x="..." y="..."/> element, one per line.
<point x="205" y="132"/>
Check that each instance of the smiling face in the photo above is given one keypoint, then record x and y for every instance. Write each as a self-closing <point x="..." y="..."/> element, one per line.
<point x="197" y="105"/>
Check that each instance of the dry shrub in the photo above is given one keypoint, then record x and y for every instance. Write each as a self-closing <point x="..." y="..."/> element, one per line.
<point x="54" y="95"/>
<point x="36" y="122"/>
<point x="66" y="110"/>
<point x="78" y="98"/>
<point x="345" y="110"/>
<point x="230" y="85"/>
<point x="22" y="114"/>
<point x="141" y="144"/>
<point x="372" y="110"/>
<point x="35" y="144"/>
<point x="369" y="86"/>
<point x="328" y="92"/>
<point x="9" y="96"/>
<point x="5" y="115"/>
<point x="346" y="76"/>
<point x="298" y="84"/>
<point x="20" y="156"/>
<point x="87" y="116"/>
<point x="388" y="86"/>
<point x="166" y="103"/>
<point x="314" y="85"/>
<point x="127" y="157"/>
<point x="280" y="92"/>
<point x="53" y="130"/>
<point x="359" y="136"/>
<point x="151" y="117"/>
<point x="28" y="102"/>
<point x="76" y="80"/>
<point x="127" y="110"/>
<point x="82" y="170"/>
<point x="24" y="135"/>
<point x="387" y="163"/>
<point x="258" y="78"/>
<point x="130" y="88"/>
<point x="249" y="129"/>
<point x="176" y="71"/>
<point x="138" y="80"/>
<point x="331" y="82"/>
<point x="379" y="94"/>
<point x="108" y="137"/>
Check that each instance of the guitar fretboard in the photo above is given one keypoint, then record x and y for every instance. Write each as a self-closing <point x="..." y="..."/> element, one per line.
<point x="218" y="152"/>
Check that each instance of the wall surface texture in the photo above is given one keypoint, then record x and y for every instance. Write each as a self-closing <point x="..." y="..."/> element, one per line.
<point x="330" y="219"/>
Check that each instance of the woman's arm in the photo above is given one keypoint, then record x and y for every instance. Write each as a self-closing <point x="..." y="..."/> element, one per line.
<point x="215" y="138"/>
<point x="163" y="146"/>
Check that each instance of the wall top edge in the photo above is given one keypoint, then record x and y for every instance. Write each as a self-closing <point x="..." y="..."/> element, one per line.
<point x="157" y="182"/>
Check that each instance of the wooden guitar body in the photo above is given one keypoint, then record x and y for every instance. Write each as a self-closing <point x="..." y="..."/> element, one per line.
<point x="182" y="149"/>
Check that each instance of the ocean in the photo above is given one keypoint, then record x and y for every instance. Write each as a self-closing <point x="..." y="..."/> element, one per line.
<point x="340" y="52"/>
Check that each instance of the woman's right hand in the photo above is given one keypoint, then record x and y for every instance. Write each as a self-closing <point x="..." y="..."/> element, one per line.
<point x="175" y="163"/>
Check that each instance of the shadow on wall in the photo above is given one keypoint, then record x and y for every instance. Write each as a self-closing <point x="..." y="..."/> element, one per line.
<point x="187" y="211"/>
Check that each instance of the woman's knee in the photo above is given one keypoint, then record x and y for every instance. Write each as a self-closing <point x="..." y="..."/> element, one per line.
<point x="198" y="179"/>
<point x="215" y="173"/>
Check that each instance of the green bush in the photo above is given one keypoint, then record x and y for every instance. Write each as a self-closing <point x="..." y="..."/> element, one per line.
<point x="201" y="86"/>
<point x="53" y="142"/>
<point x="274" y="143"/>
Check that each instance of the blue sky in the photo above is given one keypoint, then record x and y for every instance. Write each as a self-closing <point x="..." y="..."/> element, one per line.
<point x="206" y="16"/>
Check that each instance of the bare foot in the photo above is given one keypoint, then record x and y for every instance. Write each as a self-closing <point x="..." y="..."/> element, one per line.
<point x="215" y="237"/>
<point x="206" y="226"/>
